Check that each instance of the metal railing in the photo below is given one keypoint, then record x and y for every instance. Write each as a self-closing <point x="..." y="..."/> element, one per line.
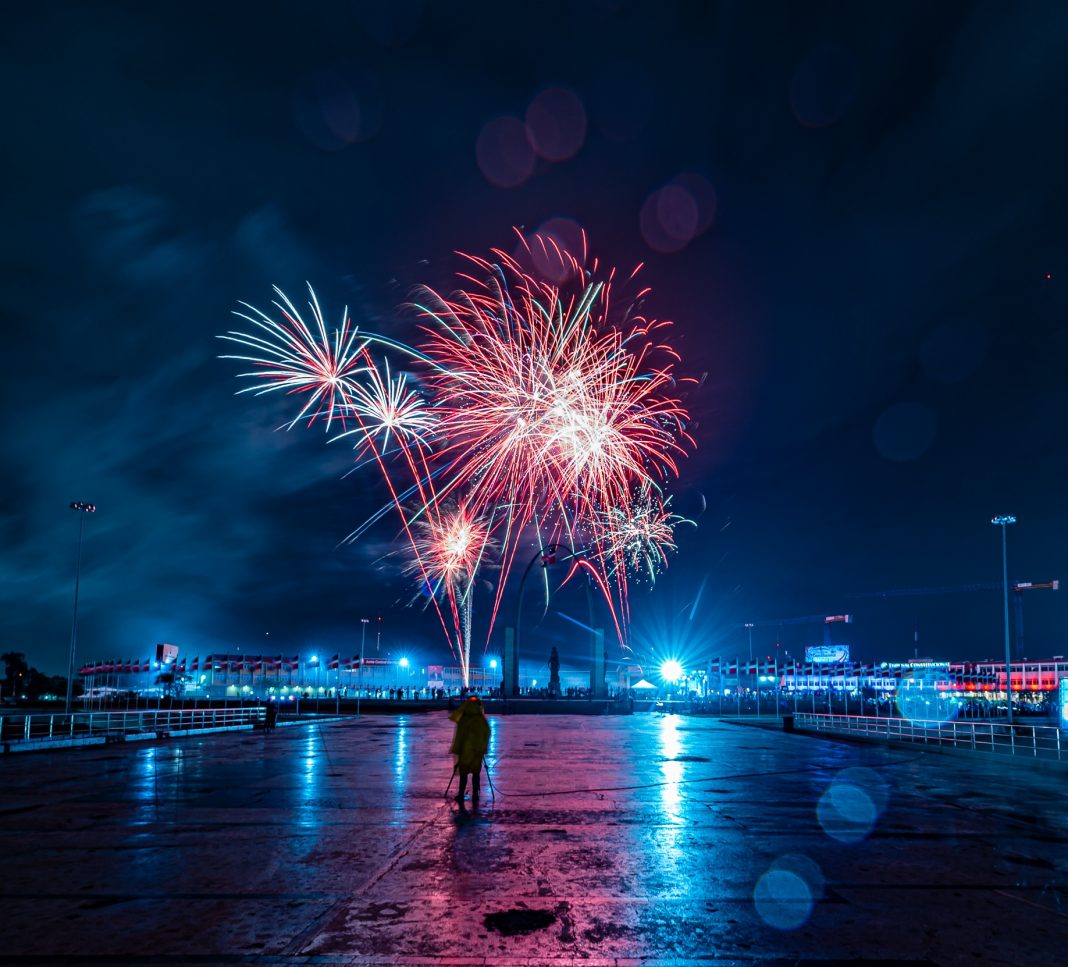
<point x="1033" y="741"/>
<point x="83" y="725"/>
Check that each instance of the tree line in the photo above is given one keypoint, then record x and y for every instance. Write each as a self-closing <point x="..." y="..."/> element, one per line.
<point x="22" y="682"/>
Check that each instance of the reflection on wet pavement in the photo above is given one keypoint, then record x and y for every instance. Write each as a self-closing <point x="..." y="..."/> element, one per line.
<point x="660" y="838"/>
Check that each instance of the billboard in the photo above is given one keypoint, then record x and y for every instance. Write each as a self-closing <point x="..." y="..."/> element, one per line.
<point x="1062" y="696"/>
<point x="165" y="654"/>
<point x="826" y="654"/>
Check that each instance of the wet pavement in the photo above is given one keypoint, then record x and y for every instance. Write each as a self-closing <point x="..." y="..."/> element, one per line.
<point x="610" y="840"/>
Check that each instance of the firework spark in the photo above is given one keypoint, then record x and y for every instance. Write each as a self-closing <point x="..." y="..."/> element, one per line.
<point x="450" y="544"/>
<point x="637" y="536"/>
<point x="290" y="357"/>
<point x="387" y="409"/>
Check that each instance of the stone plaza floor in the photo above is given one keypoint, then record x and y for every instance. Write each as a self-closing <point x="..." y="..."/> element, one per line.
<point x="609" y="840"/>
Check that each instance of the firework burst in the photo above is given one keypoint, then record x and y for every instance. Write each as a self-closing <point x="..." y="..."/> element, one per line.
<point x="388" y="411"/>
<point x="553" y="409"/>
<point x="290" y="357"/>
<point x="547" y="415"/>
<point x="637" y="536"/>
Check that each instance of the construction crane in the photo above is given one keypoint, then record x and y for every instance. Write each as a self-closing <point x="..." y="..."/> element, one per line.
<point x="1017" y="587"/>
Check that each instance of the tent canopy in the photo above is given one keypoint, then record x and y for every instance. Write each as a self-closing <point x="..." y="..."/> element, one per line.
<point x="642" y="683"/>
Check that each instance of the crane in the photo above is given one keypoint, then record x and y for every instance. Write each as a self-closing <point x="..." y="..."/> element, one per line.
<point x="1017" y="587"/>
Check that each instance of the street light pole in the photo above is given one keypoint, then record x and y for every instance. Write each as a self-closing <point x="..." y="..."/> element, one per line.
<point x="359" y="671"/>
<point x="1003" y="522"/>
<point x="83" y="509"/>
<point x="749" y="625"/>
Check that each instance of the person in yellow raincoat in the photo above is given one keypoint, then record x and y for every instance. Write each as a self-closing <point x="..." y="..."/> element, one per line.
<point x="469" y="744"/>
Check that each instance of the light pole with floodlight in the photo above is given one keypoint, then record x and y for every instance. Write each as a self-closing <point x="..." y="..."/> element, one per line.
<point x="359" y="671"/>
<point x="1003" y="522"/>
<point x="83" y="508"/>
<point x="314" y="661"/>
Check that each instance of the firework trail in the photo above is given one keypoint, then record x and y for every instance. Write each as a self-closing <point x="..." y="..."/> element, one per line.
<point x="547" y="416"/>
<point x="449" y="545"/>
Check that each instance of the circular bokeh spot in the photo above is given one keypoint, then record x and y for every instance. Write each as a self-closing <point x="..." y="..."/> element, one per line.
<point x="805" y="868"/>
<point x="871" y="782"/>
<point x="782" y="899"/>
<point x="669" y="219"/>
<point x="504" y="154"/>
<point x="556" y="124"/>
<point x="557" y="250"/>
<point x="922" y="702"/>
<point x="703" y="194"/>
<point x="824" y="86"/>
<point x="846" y="812"/>
<point x="336" y="108"/>
<point x="905" y="431"/>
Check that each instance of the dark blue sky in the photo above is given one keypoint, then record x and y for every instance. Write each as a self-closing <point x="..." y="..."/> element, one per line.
<point x="877" y="299"/>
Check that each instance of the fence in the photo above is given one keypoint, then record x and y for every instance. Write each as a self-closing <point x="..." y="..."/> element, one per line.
<point x="1033" y="741"/>
<point x="66" y="729"/>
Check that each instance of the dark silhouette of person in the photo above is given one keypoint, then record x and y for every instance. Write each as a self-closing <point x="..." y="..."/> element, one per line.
<point x="272" y="717"/>
<point x="554" y="673"/>
<point x="469" y="745"/>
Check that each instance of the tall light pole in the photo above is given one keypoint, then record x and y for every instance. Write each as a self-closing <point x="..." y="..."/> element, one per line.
<point x="1003" y="522"/>
<point x="83" y="508"/>
<point x="318" y="665"/>
<point x="359" y="671"/>
<point x="749" y="625"/>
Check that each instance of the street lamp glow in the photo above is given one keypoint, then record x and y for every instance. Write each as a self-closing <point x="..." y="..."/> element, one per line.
<point x="493" y="663"/>
<point x="313" y="659"/>
<point x="404" y="663"/>
<point x="670" y="671"/>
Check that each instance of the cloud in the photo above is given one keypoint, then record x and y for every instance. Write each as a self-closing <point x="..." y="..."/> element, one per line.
<point x="133" y="233"/>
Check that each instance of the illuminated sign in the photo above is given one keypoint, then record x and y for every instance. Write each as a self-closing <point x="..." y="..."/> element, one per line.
<point x="826" y="654"/>
<point x="1063" y="702"/>
<point x="904" y="666"/>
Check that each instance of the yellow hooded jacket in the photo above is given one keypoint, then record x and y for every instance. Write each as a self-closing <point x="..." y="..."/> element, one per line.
<point x="471" y="740"/>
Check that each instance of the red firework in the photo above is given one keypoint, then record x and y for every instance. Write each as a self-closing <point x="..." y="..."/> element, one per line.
<point x="551" y="408"/>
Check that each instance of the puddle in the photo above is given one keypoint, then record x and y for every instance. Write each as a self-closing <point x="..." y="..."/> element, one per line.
<point x="510" y="923"/>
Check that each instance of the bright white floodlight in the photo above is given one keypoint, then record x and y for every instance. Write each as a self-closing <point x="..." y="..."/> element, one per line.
<point x="670" y="671"/>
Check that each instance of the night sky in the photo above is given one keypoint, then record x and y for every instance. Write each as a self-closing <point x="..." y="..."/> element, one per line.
<point x="873" y="296"/>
